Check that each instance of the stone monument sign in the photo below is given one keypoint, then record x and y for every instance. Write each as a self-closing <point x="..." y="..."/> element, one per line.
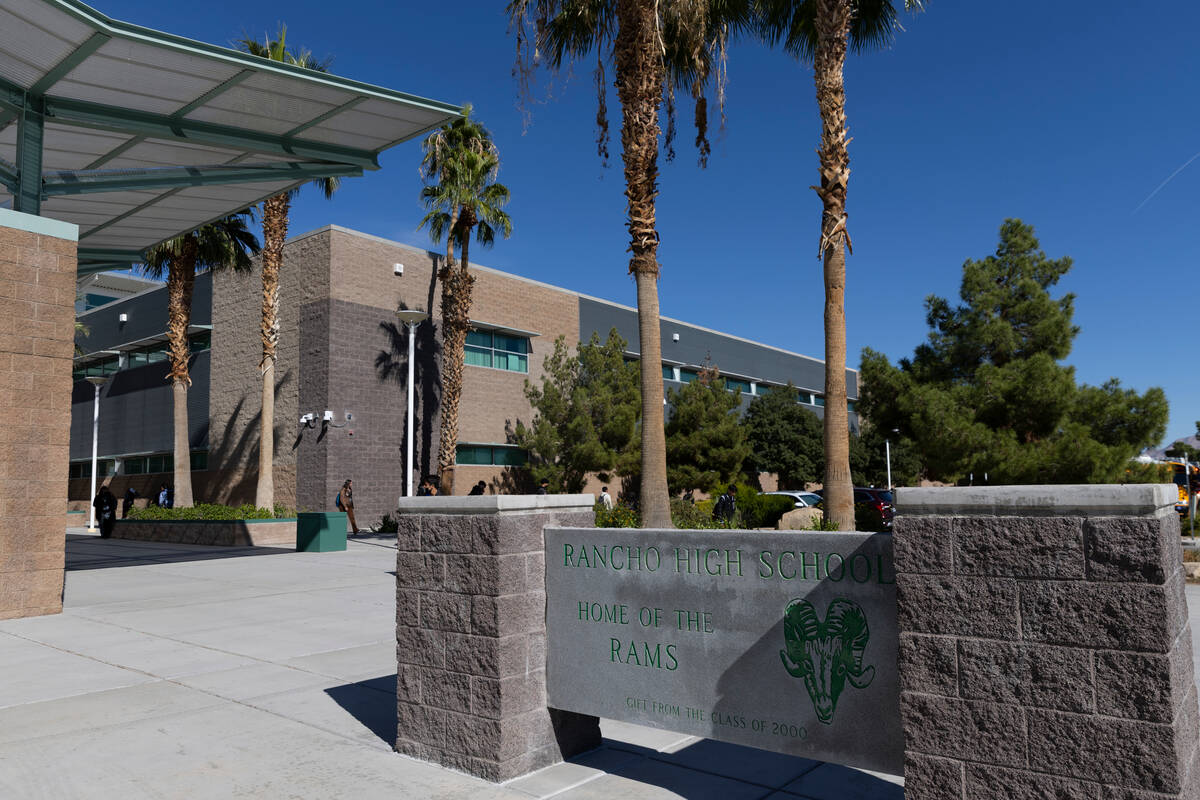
<point x="777" y="640"/>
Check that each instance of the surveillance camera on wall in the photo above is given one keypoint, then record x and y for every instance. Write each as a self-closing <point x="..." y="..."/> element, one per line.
<point x="306" y="418"/>
<point x="122" y="318"/>
<point x="328" y="416"/>
<point x="398" y="269"/>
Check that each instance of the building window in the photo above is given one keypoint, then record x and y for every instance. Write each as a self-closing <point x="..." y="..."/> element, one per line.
<point x="850" y="406"/>
<point x="497" y="350"/>
<point x="688" y="375"/>
<point x="734" y="385"/>
<point x="490" y="455"/>
<point x="199" y="461"/>
<point x="818" y="400"/>
<point x="148" y="465"/>
<point x="83" y="469"/>
<point x="668" y="373"/>
<point x="90" y="369"/>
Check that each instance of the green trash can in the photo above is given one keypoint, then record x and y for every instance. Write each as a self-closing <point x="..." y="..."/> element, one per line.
<point x="320" y="531"/>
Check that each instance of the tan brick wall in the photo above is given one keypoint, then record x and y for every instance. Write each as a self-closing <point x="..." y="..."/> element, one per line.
<point x="37" y="316"/>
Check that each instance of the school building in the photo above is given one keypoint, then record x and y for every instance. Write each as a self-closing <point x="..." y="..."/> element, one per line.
<point x="342" y="351"/>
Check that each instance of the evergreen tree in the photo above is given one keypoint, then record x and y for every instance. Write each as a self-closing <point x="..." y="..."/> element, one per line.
<point x="706" y="444"/>
<point x="987" y="392"/>
<point x="785" y="438"/>
<point x="587" y="415"/>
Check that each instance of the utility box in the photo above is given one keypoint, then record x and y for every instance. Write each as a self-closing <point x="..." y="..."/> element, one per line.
<point x="320" y="531"/>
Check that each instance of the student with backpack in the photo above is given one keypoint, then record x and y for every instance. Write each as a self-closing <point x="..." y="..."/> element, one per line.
<point x="726" y="506"/>
<point x="345" y="502"/>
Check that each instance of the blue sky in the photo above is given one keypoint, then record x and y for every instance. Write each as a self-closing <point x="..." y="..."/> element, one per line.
<point x="980" y="111"/>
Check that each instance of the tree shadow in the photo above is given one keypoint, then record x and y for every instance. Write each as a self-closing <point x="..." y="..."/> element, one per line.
<point x="391" y="366"/>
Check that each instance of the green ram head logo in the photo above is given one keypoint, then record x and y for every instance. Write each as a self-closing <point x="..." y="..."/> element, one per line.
<point x="826" y="654"/>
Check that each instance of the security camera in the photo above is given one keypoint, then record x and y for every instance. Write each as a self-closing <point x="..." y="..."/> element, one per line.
<point x="306" y="418"/>
<point x="398" y="269"/>
<point x="328" y="416"/>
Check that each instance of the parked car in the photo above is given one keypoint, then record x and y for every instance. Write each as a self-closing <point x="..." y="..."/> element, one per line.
<point x="803" y="499"/>
<point x="881" y="501"/>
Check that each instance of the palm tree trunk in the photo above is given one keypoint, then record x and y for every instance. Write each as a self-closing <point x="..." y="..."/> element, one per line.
<point x="275" y="226"/>
<point x="833" y="26"/>
<point x="451" y="368"/>
<point x="639" y="86"/>
<point x="456" y="321"/>
<point x="181" y="277"/>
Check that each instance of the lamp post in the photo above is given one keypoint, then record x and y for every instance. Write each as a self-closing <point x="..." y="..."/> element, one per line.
<point x="411" y="319"/>
<point x="887" y="448"/>
<point x="97" y="381"/>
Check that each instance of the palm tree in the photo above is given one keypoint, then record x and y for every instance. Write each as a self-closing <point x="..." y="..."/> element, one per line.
<point x="653" y="47"/>
<point x="224" y="243"/>
<point x="463" y="161"/>
<point x="275" y="227"/>
<point x="821" y="31"/>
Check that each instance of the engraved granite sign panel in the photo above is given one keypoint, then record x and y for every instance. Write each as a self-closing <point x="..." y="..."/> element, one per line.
<point x="781" y="640"/>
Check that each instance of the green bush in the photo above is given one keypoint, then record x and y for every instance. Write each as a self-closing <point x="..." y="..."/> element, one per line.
<point x="386" y="524"/>
<point x="620" y="516"/>
<point x="210" y="511"/>
<point x="687" y="515"/>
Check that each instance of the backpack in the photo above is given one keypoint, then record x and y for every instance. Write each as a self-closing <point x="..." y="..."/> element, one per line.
<point x="337" y="501"/>
<point x="724" y="507"/>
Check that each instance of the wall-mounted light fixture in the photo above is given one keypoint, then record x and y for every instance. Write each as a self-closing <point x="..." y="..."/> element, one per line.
<point x="122" y="318"/>
<point x="674" y="337"/>
<point x="398" y="269"/>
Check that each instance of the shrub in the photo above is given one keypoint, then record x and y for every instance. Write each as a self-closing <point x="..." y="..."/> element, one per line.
<point x="386" y="524"/>
<point x="867" y="518"/>
<point x="621" y="516"/>
<point x="208" y="511"/>
<point x="687" y="515"/>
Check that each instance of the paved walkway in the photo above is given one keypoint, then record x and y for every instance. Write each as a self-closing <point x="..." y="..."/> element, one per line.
<point x="192" y="672"/>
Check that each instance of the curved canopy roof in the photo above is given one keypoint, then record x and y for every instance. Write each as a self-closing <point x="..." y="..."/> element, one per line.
<point x="137" y="135"/>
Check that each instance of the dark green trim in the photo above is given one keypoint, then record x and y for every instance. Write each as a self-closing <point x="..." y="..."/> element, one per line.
<point x="31" y="127"/>
<point x="71" y="183"/>
<point x="73" y="60"/>
<point x="105" y="254"/>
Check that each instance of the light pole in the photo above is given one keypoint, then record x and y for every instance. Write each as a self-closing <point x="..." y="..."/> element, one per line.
<point x="887" y="448"/>
<point x="97" y="381"/>
<point x="411" y="319"/>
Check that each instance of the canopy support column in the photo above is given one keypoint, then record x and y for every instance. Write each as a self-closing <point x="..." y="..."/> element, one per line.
<point x="31" y="124"/>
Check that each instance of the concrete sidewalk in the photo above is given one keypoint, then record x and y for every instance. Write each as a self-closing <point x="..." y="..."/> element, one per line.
<point x="178" y="671"/>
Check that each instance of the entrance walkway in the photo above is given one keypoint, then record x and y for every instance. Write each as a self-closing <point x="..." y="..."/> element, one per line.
<point x="196" y="672"/>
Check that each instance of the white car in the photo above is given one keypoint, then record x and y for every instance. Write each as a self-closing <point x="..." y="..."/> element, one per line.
<point x="803" y="499"/>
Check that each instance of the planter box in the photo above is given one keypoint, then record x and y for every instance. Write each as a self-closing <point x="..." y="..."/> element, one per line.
<point x="321" y="531"/>
<point x="217" y="532"/>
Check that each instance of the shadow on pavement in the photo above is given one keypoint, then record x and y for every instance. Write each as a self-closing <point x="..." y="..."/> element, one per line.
<point x="372" y="702"/>
<point x="85" y="551"/>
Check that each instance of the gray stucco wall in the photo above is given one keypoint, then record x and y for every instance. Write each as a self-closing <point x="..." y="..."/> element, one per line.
<point x="136" y="411"/>
<point x="136" y="404"/>
<point x="696" y="346"/>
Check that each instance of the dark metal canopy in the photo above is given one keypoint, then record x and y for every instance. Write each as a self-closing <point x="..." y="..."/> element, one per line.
<point x="137" y="135"/>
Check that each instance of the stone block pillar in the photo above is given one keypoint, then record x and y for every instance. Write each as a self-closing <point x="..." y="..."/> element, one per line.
<point x="1044" y="649"/>
<point x="471" y="634"/>
<point x="37" y="340"/>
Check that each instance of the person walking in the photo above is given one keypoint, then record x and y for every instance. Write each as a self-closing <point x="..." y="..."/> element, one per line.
<point x="165" y="498"/>
<point x="477" y="489"/>
<point x="606" y="498"/>
<point x="726" y="506"/>
<point x="544" y="486"/>
<point x="345" y="502"/>
<point x="106" y="511"/>
<point x="127" y="502"/>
